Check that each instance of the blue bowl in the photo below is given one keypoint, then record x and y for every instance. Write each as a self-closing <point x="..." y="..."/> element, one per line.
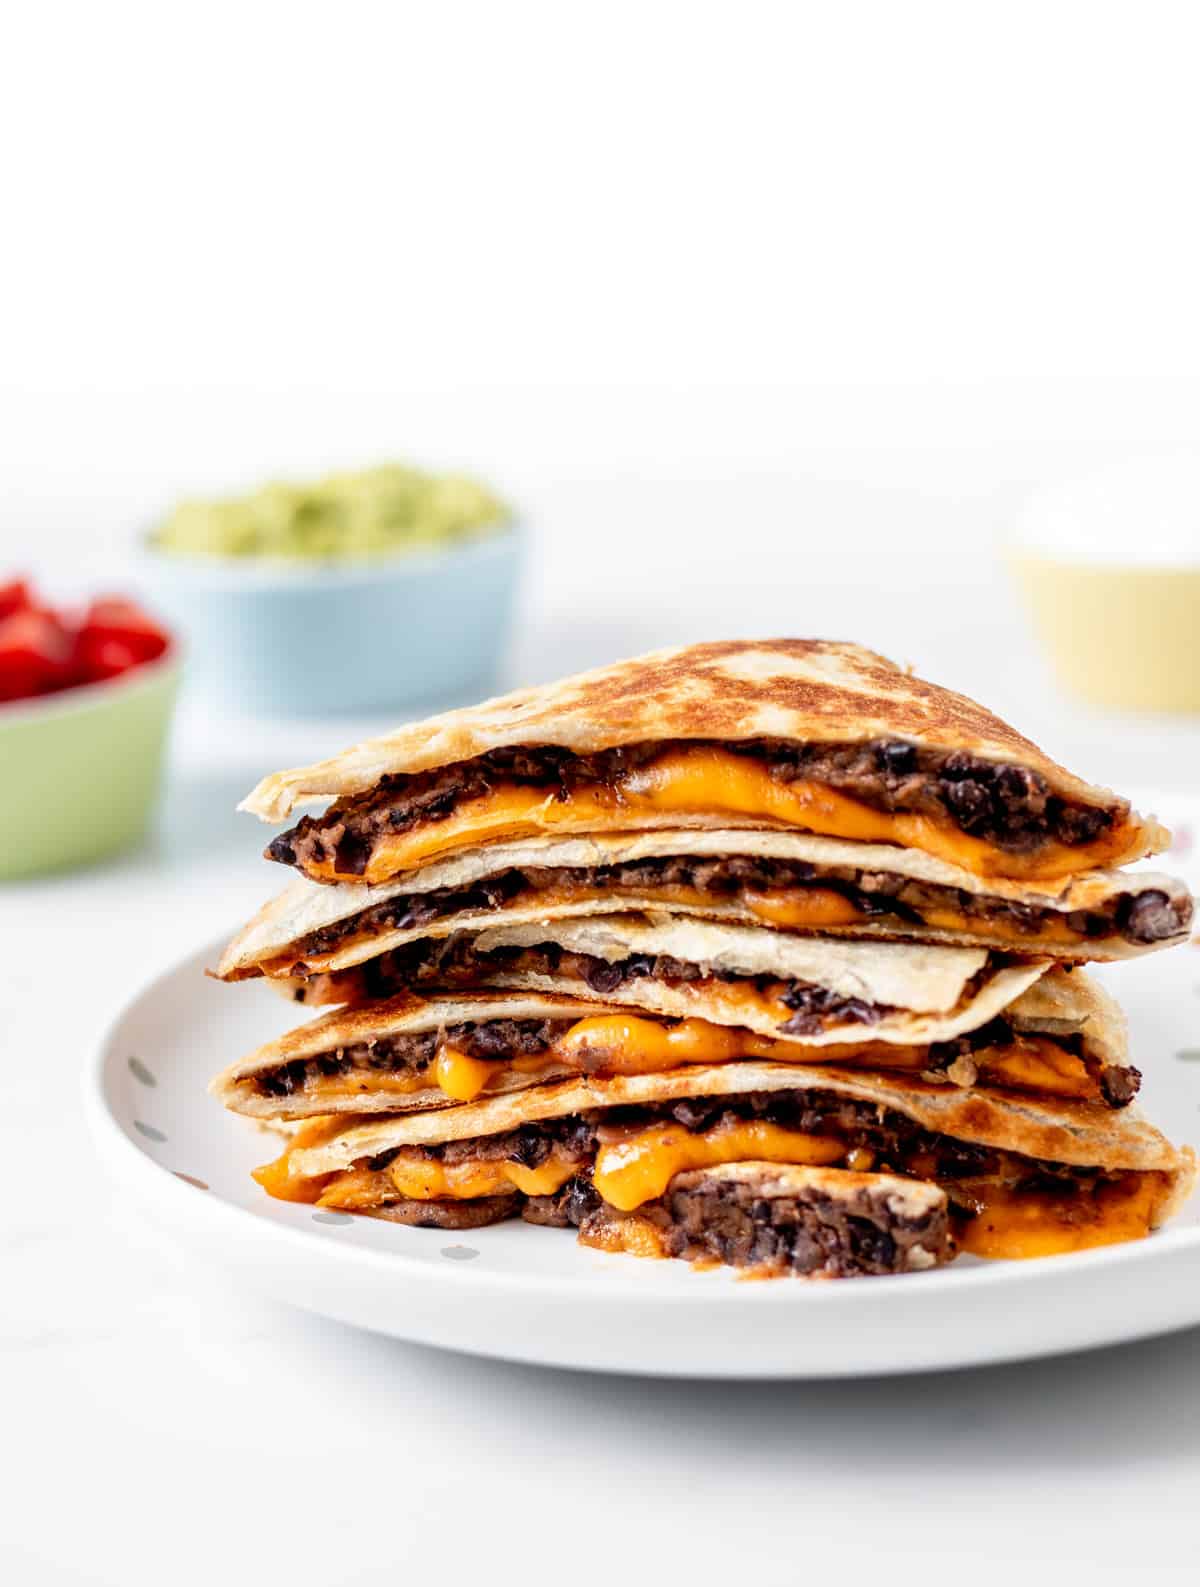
<point x="341" y="638"/>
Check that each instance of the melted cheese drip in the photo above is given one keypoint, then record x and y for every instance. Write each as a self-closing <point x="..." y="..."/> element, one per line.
<point x="632" y="1236"/>
<point x="625" y="1044"/>
<point x="710" y="782"/>
<point x="807" y="908"/>
<point x="279" y="1179"/>
<point x="459" y="1076"/>
<point x="422" y="1180"/>
<point x="1009" y="1223"/>
<point x="355" y="1190"/>
<point x="1019" y="1224"/>
<point x="640" y="1167"/>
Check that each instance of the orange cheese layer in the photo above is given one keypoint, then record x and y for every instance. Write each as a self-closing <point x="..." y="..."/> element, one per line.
<point x="335" y="1088"/>
<point x="1008" y="1223"/>
<point x="612" y="1044"/>
<point x="459" y="1076"/>
<point x="802" y="908"/>
<point x="421" y="1180"/>
<point x="280" y="1179"/>
<point x="640" y="1167"/>
<point x="1049" y="929"/>
<point x="626" y="1044"/>
<point x="703" y="781"/>
<point x="1016" y="1224"/>
<point x="631" y="1236"/>
<point x="805" y="907"/>
<point x="1035" y="1063"/>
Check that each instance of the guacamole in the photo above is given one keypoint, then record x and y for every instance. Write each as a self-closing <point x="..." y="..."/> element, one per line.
<point x="372" y="513"/>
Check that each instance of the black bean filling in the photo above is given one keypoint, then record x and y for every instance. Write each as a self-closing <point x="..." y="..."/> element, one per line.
<point x="414" y="1052"/>
<point x="459" y="962"/>
<point x="878" y="896"/>
<point x="1118" y="1083"/>
<point x="895" y="1142"/>
<point x="850" y="1235"/>
<point x="1006" y="805"/>
<point x="456" y="962"/>
<point x="847" y="1236"/>
<point x="505" y="1039"/>
<point x="838" y="1236"/>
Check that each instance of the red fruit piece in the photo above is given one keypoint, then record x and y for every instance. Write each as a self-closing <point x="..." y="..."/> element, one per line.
<point x="111" y="618"/>
<point x="15" y="596"/>
<point x="35" y="655"/>
<point x="97" y="657"/>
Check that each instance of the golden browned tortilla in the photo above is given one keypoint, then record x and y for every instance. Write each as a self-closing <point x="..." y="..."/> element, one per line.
<point x="1063" y="1036"/>
<point x="1075" y="1133"/>
<point x="689" y="703"/>
<point x="296" y="926"/>
<point x="1023" y="1176"/>
<point x="804" y="690"/>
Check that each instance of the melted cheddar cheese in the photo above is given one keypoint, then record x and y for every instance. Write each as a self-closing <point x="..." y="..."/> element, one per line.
<point x="280" y="1179"/>
<point x="1049" y="929"/>
<point x="459" y="1076"/>
<point x="336" y="1088"/>
<point x="706" y="781"/>
<point x="803" y="908"/>
<point x="1035" y="1063"/>
<point x="640" y="1167"/>
<point x="420" y="1179"/>
<point x="631" y="1236"/>
<point x="996" y="1220"/>
<point x="627" y="1044"/>
<point x="1019" y="1224"/>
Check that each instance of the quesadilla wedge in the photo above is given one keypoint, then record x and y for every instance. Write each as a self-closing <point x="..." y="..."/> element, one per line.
<point x="1061" y="1037"/>
<point x="789" y="880"/>
<point x="1023" y="1176"/>
<point x="772" y="1219"/>
<point x="810" y="988"/>
<point x="790" y="733"/>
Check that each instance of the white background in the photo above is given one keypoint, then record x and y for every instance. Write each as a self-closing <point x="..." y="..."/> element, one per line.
<point x="767" y="316"/>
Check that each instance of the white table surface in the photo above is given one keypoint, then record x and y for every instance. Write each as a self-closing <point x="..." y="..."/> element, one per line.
<point x="161" y="1428"/>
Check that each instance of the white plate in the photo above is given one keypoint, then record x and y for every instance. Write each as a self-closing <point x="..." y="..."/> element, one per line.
<point x="531" y="1294"/>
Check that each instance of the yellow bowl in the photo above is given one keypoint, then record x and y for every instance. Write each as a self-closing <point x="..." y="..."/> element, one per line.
<point x="1123" y="637"/>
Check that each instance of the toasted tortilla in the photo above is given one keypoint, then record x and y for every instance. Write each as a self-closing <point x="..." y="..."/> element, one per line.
<point x="402" y="1015"/>
<point x="803" y="690"/>
<point x="1077" y="1134"/>
<point x="272" y="942"/>
<point x="1069" y="1003"/>
<point x="928" y="991"/>
<point x="1059" y="1006"/>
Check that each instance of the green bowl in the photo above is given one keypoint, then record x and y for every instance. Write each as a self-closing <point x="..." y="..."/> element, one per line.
<point x="82" y="769"/>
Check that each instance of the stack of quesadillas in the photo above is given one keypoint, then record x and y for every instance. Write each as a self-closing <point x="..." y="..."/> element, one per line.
<point x="761" y="953"/>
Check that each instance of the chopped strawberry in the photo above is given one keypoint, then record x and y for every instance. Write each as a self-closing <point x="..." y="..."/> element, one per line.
<point x="14" y="597"/>
<point x="99" y="657"/>
<point x="35" y="655"/>
<point x="43" y="649"/>
<point x="110" y="617"/>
